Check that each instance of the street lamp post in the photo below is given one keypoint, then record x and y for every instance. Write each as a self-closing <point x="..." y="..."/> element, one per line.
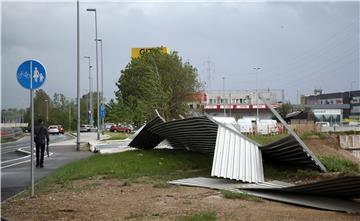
<point x="87" y="105"/>
<point x="223" y="78"/>
<point x="102" y="79"/>
<point x="97" y="72"/>
<point x="256" y="95"/>
<point x="90" y="109"/>
<point x="78" y="76"/>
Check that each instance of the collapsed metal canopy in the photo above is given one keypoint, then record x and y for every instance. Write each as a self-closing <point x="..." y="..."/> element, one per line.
<point x="235" y="155"/>
<point x="280" y="191"/>
<point x="146" y="139"/>
<point x="290" y="152"/>
<point x="194" y="134"/>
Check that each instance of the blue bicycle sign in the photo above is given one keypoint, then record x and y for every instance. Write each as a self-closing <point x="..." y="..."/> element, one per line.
<point x="31" y="74"/>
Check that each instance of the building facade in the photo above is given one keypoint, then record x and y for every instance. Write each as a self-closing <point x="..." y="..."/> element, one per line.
<point x="241" y="103"/>
<point x="328" y="107"/>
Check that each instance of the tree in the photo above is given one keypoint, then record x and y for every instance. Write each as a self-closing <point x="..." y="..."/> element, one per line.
<point x="155" y="81"/>
<point x="40" y="106"/>
<point x="284" y="109"/>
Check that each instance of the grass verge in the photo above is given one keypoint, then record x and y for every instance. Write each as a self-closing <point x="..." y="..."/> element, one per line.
<point x="335" y="164"/>
<point x="237" y="195"/>
<point x="263" y="140"/>
<point x="155" y="166"/>
<point x="116" y="136"/>
<point x="202" y="216"/>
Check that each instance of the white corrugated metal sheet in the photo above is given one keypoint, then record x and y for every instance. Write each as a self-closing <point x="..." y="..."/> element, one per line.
<point x="236" y="157"/>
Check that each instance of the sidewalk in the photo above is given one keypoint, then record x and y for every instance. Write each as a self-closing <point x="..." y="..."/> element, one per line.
<point x="88" y="137"/>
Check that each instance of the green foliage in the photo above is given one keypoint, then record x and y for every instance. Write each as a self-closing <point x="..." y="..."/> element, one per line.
<point x="116" y="136"/>
<point x="308" y="134"/>
<point x="283" y="110"/>
<point x="335" y="164"/>
<point x="202" y="216"/>
<point x="154" y="81"/>
<point x="238" y="195"/>
<point x="263" y="140"/>
<point x="160" y="165"/>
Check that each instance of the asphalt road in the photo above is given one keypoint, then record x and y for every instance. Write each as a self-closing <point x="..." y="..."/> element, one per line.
<point x="15" y="166"/>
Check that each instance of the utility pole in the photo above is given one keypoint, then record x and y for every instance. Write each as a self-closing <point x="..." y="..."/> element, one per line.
<point x="223" y="78"/>
<point x="97" y="73"/>
<point x="256" y="95"/>
<point x="90" y="110"/>
<point x="78" y="76"/>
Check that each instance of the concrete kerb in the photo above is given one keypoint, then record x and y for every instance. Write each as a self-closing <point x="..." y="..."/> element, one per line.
<point x="95" y="144"/>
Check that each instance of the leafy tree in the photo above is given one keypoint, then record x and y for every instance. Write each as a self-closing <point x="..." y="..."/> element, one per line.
<point x="155" y="81"/>
<point x="284" y="109"/>
<point x="40" y="106"/>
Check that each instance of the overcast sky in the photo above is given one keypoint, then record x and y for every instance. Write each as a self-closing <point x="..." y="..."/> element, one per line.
<point x="298" y="46"/>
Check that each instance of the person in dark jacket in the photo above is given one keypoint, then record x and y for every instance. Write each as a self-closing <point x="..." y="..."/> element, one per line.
<point x="40" y="134"/>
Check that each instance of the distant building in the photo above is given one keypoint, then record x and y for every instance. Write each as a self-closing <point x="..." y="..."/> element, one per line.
<point x="241" y="103"/>
<point x="333" y="107"/>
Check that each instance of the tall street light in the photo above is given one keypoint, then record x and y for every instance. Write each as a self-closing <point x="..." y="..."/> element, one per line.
<point x="87" y="105"/>
<point x="102" y="78"/>
<point x="223" y="78"/>
<point x="256" y="95"/>
<point x="78" y="75"/>
<point x="90" y="110"/>
<point x="97" y="73"/>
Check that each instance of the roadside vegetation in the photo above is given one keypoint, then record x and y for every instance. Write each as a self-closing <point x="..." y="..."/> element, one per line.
<point x="263" y="140"/>
<point x="156" y="167"/>
<point x="201" y="216"/>
<point x="116" y="136"/>
<point x="335" y="164"/>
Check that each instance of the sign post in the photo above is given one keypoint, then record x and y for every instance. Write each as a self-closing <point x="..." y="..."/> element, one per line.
<point x="102" y="111"/>
<point x="31" y="75"/>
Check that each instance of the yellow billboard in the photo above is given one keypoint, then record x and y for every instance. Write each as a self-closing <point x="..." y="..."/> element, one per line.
<point x="136" y="52"/>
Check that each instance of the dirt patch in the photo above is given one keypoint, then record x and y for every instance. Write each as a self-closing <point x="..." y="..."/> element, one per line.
<point x="117" y="200"/>
<point x="329" y="146"/>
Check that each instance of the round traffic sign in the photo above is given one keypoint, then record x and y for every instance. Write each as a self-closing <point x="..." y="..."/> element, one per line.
<point x="31" y="74"/>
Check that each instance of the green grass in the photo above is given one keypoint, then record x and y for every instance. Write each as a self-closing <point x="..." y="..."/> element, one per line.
<point x="263" y="140"/>
<point x="153" y="166"/>
<point x="202" y="216"/>
<point x="307" y="134"/>
<point x="288" y="173"/>
<point x="237" y="195"/>
<point x="116" y="136"/>
<point x="335" y="164"/>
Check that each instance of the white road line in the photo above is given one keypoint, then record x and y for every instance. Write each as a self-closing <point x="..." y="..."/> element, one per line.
<point x="14" y="159"/>
<point x="15" y="164"/>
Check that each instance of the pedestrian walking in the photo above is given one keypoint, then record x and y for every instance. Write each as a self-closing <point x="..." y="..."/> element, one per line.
<point x="41" y="133"/>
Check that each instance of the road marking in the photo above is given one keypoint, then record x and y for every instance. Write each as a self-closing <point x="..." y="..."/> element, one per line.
<point x="14" y="159"/>
<point x="15" y="164"/>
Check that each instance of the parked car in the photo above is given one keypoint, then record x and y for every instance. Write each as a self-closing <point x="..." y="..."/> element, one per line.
<point x="108" y="126"/>
<point x="85" y="128"/>
<point x="53" y="129"/>
<point x="61" y="129"/>
<point x="120" y="128"/>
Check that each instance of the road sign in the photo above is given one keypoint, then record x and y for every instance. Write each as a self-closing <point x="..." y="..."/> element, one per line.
<point x="31" y="74"/>
<point x="102" y="111"/>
